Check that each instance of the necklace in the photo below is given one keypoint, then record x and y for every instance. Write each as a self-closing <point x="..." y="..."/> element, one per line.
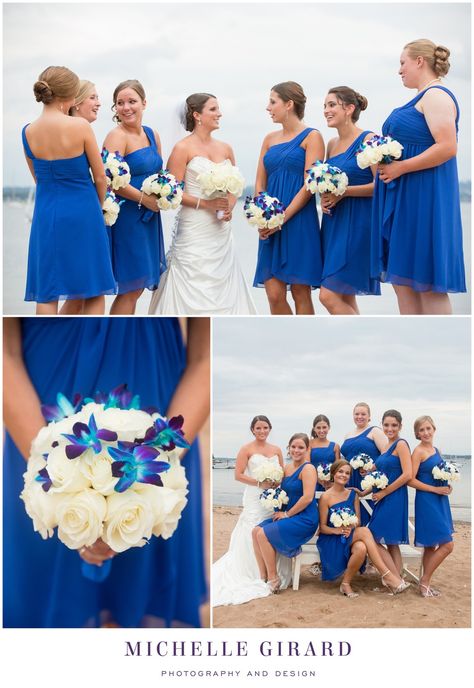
<point x="429" y="84"/>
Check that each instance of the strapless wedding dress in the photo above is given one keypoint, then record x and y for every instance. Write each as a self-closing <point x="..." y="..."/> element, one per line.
<point x="235" y="578"/>
<point x="203" y="275"/>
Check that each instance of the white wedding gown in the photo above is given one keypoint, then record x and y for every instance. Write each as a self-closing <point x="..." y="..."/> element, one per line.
<point x="235" y="577"/>
<point x="203" y="275"/>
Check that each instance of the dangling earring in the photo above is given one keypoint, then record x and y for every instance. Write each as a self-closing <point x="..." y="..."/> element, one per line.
<point x="199" y="121"/>
<point x="61" y="108"/>
<point x="77" y="108"/>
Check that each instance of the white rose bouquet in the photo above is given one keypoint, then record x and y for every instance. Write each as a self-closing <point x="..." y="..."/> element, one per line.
<point x="378" y="149"/>
<point x="268" y="470"/>
<point x="168" y="191"/>
<point x="117" y="170"/>
<point x="264" y="211"/>
<point x="363" y="461"/>
<point x="104" y="468"/>
<point x="375" y="480"/>
<point x="220" y="179"/>
<point x="111" y="208"/>
<point x="345" y="517"/>
<point x="324" y="472"/>
<point x="326" y="178"/>
<point x="274" y="498"/>
<point x="446" y="471"/>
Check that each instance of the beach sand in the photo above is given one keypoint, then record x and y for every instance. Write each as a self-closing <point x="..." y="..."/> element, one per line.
<point x="319" y="604"/>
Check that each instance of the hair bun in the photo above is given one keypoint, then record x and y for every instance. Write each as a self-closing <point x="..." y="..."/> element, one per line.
<point x="43" y="92"/>
<point x="441" y="61"/>
<point x="362" y="100"/>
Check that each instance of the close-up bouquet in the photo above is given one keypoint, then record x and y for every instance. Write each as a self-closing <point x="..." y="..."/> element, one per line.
<point x="363" y="461"/>
<point x="378" y="149"/>
<point x="220" y="179"/>
<point x="344" y="517"/>
<point x="375" y="480"/>
<point x="446" y="471"/>
<point x="111" y="208"/>
<point x="325" y="178"/>
<point x="324" y="472"/>
<point x="264" y="211"/>
<point x="268" y="470"/>
<point x="117" y="170"/>
<point x="274" y="498"/>
<point x="104" y="468"/>
<point x="168" y="191"/>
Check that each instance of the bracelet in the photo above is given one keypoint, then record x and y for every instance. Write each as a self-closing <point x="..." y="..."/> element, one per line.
<point x="258" y="483"/>
<point x="197" y="204"/>
<point x="287" y="514"/>
<point x="140" y="201"/>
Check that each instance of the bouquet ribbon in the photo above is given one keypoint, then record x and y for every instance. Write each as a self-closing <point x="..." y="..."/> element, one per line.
<point x="94" y="573"/>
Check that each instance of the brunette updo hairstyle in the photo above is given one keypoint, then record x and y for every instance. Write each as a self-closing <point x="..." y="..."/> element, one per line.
<point x="392" y="413"/>
<point x="55" y="82"/>
<point x="435" y="55"/>
<point x="348" y="96"/>
<point x="419" y="422"/>
<point x="255" y="420"/>
<point x="299" y="436"/>
<point x="290" y="90"/>
<point x="337" y="465"/>
<point x="319" y="419"/>
<point x="129" y="83"/>
<point x="194" y="103"/>
<point x="85" y="89"/>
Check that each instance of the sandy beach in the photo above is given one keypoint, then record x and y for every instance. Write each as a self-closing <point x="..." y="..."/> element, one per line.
<point x="319" y="604"/>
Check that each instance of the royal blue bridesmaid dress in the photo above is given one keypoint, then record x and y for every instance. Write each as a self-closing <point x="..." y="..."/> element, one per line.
<point x="138" y="253"/>
<point x="346" y="232"/>
<point x="288" y="534"/>
<point x="416" y="219"/>
<point x="293" y="254"/>
<point x="321" y="455"/>
<point x="334" y="551"/>
<point x="351" y="447"/>
<point x="389" y="521"/>
<point x="68" y="255"/>
<point x="433" y="520"/>
<point x="161" y="584"/>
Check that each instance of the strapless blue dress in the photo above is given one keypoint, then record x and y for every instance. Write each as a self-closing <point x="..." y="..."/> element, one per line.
<point x="320" y="455"/>
<point x="161" y="584"/>
<point x="69" y="254"/>
<point x="433" y="520"/>
<point x="389" y="521"/>
<point x="350" y="448"/>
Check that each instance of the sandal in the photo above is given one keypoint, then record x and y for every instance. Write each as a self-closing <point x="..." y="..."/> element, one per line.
<point x="315" y="569"/>
<point x="395" y="591"/>
<point x="351" y="595"/>
<point x="427" y="591"/>
<point x="274" y="585"/>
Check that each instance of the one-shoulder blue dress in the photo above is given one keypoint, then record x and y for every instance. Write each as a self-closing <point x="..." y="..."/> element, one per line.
<point x="68" y="255"/>
<point x="346" y="232"/>
<point x="138" y="253"/>
<point x="416" y="219"/>
<point x="433" y="520"/>
<point x="288" y="534"/>
<point x="293" y="254"/>
<point x="361" y="444"/>
<point x="335" y="551"/>
<point x="161" y="584"/>
<point x="389" y="521"/>
<point x="321" y="455"/>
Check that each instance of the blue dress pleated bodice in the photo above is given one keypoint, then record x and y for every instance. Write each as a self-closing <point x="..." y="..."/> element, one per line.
<point x="161" y="584"/>
<point x="335" y="551"/>
<point x="361" y="444"/>
<point x="416" y="220"/>
<point x="321" y="455"/>
<point x="68" y="255"/>
<point x="433" y="520"/>
<point x="138" y="253"/>
<point x="292" y="255"/>
<point x="346" y="232"/>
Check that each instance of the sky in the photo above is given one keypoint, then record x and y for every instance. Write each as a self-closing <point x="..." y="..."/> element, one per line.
<point x="236" y="51"/>
<point x="293" y="370"/>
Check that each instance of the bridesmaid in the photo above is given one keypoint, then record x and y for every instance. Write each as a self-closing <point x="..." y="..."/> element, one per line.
<point x="290" y="257"/>
<point x="321" y="450"/>
<point x="138" y="255"/>
<point x="417" y="233"/>
<point x="363" y="439"/>
<point x="389" y="520"/>
<point x="433" y="522"/>
<point x="346" y="229"/>
<point x="68" y="255"/>
<point x="290" y="528"/>
<point x="346" y="557"/>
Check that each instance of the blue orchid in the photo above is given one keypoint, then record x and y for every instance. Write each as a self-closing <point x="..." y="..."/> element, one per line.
<point x="87" y="437"/>
<point x="44" y="479"/>
<point x="62" y="409"/>
<point x="166" y="434"/>
<point x="119" y="397"/>
<point x="134" y="463"/>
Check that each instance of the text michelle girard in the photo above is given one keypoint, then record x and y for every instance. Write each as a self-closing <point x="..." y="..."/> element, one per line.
<point x="237" y="648"/>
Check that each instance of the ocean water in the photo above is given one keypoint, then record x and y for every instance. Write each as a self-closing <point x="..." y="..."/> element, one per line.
<point x="15" y="252"/>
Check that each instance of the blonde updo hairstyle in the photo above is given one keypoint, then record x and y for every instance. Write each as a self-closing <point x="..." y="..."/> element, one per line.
<point x="129" y="83"/>
<point x="194" y="103"/>
<point x="347" y="96"/>
<point x="436" y="56"/>
<point x="290" y="90"/>
<point x="55" y="83"/>
<point x="85" y="89"/>
<point x="419" y="422"/>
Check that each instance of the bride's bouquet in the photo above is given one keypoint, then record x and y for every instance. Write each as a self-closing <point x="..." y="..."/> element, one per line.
<point x="326" y="178"/>
<point x="111" y="208"/>
<point x="268" y="470"/>
<point x="375" y="480"/>
<point x="220" y="179"/>
<point x="168" y="191"/>
<point x="117" y="170"/>
<point x="343" y="516"/>
<point x="274" y="498"/>
<point x="378" y="149"/>
<point x="324" y="472"/>
<point x="264" y="211"/>
<point x="104" y="468"/>
<point x="363" y="461"/>
<point x="446" y="471"/>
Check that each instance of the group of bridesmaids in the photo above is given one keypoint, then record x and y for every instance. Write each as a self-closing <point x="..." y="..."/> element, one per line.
<point x="344" y="550"/>
<point x="402" y="227"/>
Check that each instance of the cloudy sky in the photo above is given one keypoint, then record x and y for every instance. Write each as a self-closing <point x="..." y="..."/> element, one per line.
<point x="236" y="51"/>
<point x="292" y="370"/>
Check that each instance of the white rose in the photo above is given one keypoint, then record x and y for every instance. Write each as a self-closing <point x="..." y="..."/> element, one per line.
<point x="66" y="474"/>
<point x="97" y="469"/>
<point x="274" y="221"/>
<point x="35" y="463"/>
<point x="42" y="508"/>
<point x="129" y="520"/>
<point x="336" y="520"/>
<point x="165" y="190"/>
<point x="253" y="220"/>
<point x="80" y="518"/>
<point x="44" y="439"/>
<point x="164" y="204"/>
<point x="362" y="160"/>
<point x="130" y="424"/>
<point x="147" y="186"/>
<point x="373" y="155"/>
<point x="394" y="149"/>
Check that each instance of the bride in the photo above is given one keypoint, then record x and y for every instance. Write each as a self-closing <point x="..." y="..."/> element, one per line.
<point x="235" y="577"/>
<point x="203" y="275"/>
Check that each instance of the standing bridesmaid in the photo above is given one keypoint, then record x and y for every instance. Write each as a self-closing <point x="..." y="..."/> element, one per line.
<point x="290" y="257"/>
<point x="433" y="522"/>
<point x="346" y="229"/>
<point x="138" y="255"/>
<point x="68" y="256"/>
<point x="321" y="450"/>
<point x="417" y="232"/>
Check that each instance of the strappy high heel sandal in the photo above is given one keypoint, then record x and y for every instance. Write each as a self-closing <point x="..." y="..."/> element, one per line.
<point x="395" y="591"/>
<point x="274" y="585"/>
<point x="351" y="595"/>
<point x="428" y="591"/>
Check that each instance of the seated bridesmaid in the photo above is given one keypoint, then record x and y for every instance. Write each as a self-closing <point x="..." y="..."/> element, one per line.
<point x="290" y="528"/>
<point x="433" y="522"/>
<point x="346" y="557"/>
<point x="321" y="450"/>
